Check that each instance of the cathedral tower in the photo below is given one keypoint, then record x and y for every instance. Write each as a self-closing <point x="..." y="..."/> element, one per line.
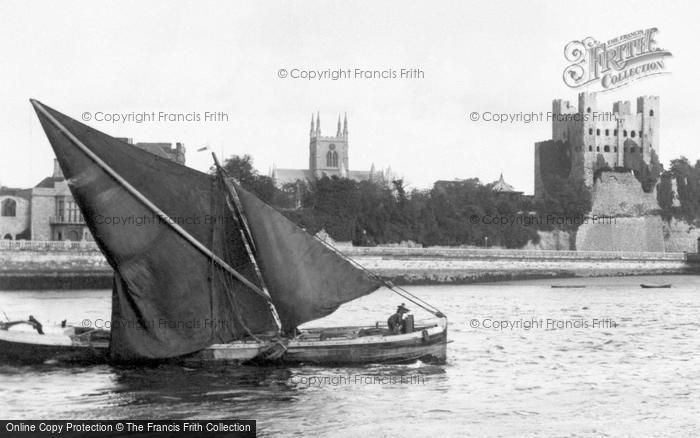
<point x="328" y="155"/>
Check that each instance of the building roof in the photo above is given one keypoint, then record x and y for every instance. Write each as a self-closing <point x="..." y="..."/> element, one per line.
<point x="502" y="186"/>
<point x="49" y="182"/>
<point x="361" y="175"/>
<point x="156" y="149"/>
<point x="17" y="193"/>
<point x="286" y="176"/>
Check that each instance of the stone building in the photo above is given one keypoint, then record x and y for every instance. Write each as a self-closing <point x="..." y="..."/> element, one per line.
<point x="48" y="210"/>
<point x="586" y="139"/>
<point x="14" y="213"/>
<point x="328" y="156"/>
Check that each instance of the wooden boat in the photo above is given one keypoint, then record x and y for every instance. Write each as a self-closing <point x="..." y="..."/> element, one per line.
<point x="309" y="347"/>
<point x="252" y="276"/>
<point x="655" y="286"/>
<point x="568" y="286"/>
<point x="73" y="345"/>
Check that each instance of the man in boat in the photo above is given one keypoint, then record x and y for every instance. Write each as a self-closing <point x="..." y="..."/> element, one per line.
<point x="36" y="324"/>
<point x="395" y="322"/>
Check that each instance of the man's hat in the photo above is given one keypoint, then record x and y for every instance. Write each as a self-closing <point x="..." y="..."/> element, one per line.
<point x="402" y="308"/>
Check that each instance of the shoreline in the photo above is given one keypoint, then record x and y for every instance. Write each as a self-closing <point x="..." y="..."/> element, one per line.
<point x="74" y="280"/>
<point x="34" y="268"/>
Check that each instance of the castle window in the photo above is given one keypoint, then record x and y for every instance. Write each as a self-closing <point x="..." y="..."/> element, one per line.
<point x="624" y="133"/>
<point x="588" y="110"/>
<point x="9" y="207"/>
<point x="590" y="131"/>
<point x="606" y="148"/>
<point x="597" y="148"/>
<point x="615" y="132"/>
<point x="590" y="148"/>
<point x="607" y="132"/>
<point x="597" y="132"/>
<point x="633" y="134"/>
<point x="332" y="159"/>
<point x="651" y="113"/>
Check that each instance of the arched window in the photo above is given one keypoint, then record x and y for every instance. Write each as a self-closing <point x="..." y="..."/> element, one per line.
<point x="590" y="148"/>
<point x="615" y="148"/>
<point x="597" y="148"/>
<point x="607" y="132"/>
<point x="9" y="207"/>
<point x="633" y="134"/>
<point x="651" y="113"/>
<point x="606" y="148"/>
<point x="590" y="131"/>
<point x="332" y="159"/>
<point x="588" y="110"/>
<point x="624" y="133"/>
<point x="597" y="132"/>
<point x="640" y="134"/>
<point x="615" y="132"/>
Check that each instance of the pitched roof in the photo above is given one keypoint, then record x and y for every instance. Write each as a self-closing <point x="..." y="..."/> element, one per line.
<point x="285" y="176"/>
<point x="49" y="182"/>
<point x="503" y="187"/>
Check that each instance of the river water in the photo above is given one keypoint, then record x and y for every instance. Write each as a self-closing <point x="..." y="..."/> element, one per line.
<point x="526" y="359"/>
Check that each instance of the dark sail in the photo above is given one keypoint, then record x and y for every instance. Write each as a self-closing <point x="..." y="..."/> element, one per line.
<point x="169" y="298"/>
<point x="305" y="278"/>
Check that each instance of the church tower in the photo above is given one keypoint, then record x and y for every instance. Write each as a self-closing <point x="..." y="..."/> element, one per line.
<point x="328" y="155"/>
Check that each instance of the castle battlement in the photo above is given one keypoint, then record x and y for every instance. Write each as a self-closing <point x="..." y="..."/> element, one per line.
<point x="591" y="139"/>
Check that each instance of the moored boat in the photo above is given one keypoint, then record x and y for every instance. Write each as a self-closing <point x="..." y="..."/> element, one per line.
<point x="655" y="286"/>
<point x="205" y="271"/>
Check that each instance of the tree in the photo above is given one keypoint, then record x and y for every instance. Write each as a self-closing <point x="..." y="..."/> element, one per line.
<point x="242" y="169"/>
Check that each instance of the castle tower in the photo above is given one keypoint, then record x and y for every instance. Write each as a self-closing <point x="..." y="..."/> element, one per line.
<point x="591" y="140"/>
<point x="648" y="111"/>
<point x="328" y="155"/>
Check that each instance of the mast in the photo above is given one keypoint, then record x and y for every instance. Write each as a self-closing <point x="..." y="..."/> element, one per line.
<point x="150" y="205"/>
<point x="234" y="204"/>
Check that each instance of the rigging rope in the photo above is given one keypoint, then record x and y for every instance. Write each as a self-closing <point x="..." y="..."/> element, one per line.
<point x="391" y="286"/>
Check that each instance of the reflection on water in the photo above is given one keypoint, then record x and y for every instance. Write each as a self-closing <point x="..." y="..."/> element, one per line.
<point x="639" y="376"/>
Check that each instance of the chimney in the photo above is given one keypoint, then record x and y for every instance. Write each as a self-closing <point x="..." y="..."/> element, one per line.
<point x="57" y="172"/>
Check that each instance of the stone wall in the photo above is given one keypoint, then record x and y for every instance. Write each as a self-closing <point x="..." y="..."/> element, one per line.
<point x="17" y="224"/>
<point x="551" y="240"/>
<point x="55" y="266"/>
<point x="632" y="222"/>
<point x="680" y="236"/>
<point x="620" y="194"/>
<point x="622" y="234"/>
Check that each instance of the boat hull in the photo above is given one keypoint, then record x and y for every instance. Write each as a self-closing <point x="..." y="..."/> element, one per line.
<point x="428" y="345"/>
<point x="29" y="347"/>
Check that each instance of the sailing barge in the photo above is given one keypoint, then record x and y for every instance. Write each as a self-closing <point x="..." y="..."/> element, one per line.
<point x="207" y="272"/>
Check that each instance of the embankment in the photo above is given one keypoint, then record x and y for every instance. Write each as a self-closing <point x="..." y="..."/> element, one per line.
<point x="55" y="265"/>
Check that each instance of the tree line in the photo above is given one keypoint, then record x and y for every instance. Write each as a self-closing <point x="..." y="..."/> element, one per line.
<point x="368" y="213"/>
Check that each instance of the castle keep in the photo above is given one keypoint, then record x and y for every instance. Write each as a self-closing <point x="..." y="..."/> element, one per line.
<point x="586" y="139"/>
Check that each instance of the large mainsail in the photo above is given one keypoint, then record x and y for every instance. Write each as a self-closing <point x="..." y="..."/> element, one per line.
<point x="169" y="297"/>
<point x="305" y="278"/>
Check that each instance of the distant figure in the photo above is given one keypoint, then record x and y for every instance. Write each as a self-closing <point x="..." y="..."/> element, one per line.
<point x="36" y="324"/>
<point x="396" y="322"/>
<point x="63" y="323"/>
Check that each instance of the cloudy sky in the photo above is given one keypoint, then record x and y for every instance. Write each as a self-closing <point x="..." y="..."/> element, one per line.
<point x="192" y="57"/>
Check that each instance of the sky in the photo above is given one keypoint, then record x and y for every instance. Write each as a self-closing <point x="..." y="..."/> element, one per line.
<point x="190" y="57"/>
